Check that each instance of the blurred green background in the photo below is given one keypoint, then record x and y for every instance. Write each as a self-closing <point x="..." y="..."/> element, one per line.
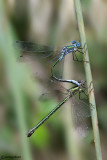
<point x="46" y="22"/>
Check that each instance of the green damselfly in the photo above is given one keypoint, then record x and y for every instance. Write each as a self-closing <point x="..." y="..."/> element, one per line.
<point x="70" y="94"/>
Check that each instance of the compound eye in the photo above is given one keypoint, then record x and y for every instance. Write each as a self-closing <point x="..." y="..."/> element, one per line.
<point x="73" y="42"/>
<point x="78" y="44"/>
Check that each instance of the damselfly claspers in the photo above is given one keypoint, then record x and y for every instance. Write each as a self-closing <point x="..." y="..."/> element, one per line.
<point x="70" y="94"/>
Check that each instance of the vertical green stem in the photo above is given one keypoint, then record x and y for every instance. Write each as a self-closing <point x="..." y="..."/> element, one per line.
<point x="89" y="79"/>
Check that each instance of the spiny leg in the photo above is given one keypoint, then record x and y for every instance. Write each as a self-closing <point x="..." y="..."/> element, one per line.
<point x="82" y="53"/>
<point x="84" y="94"/>
<point x="84" y="46"/>
<point x="90" y="104"/>
<point x="84" y="50"/>
<point x="75" y="56"/>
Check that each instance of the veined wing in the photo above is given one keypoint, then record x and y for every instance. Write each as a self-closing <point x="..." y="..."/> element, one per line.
<point x="30" y="47"/>
<point x="81" y="107"/>
<point x="53" y="89"/>
<point x="80" y="111"/>
<point x="55" y="86"/>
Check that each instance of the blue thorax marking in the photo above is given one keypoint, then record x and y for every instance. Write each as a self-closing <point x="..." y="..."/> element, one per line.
<point x="68" y="49"/>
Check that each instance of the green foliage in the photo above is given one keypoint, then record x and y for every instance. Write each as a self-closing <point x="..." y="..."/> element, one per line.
<point x="41" y="138"/>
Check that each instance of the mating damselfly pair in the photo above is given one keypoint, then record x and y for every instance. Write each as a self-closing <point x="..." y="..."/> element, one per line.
<point x="72" y="92"/>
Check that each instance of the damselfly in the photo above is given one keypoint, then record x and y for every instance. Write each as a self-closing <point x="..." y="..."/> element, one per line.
<point x="48" y="50"/>
<point x="71" y="93"/>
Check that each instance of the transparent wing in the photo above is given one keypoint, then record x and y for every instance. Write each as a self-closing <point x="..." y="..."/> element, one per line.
<point x="42" y="52"/>
<point x="80" y="124"/>
<point x="53" y="89"/>
<point x="81" y="107"/>
<point x="55" y="58"/>
<point x="30" y="47"/>
<point x="80" y="112"/>
<point x="56" y="87"/>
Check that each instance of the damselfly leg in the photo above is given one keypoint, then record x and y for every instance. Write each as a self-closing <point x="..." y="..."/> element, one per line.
<point x="81" y="50"/>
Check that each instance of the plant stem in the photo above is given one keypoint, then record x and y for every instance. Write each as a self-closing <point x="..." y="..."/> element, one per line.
<point x="89" y="79"/>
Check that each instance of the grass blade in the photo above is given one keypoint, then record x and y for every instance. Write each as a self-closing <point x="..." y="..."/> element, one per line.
<point x="89" y="79"/>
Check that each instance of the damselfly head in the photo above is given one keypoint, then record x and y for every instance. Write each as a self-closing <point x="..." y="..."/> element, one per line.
<point x="82" y="83"/>
<point x="74" y="41"/>
<point x="78" y="44"/>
